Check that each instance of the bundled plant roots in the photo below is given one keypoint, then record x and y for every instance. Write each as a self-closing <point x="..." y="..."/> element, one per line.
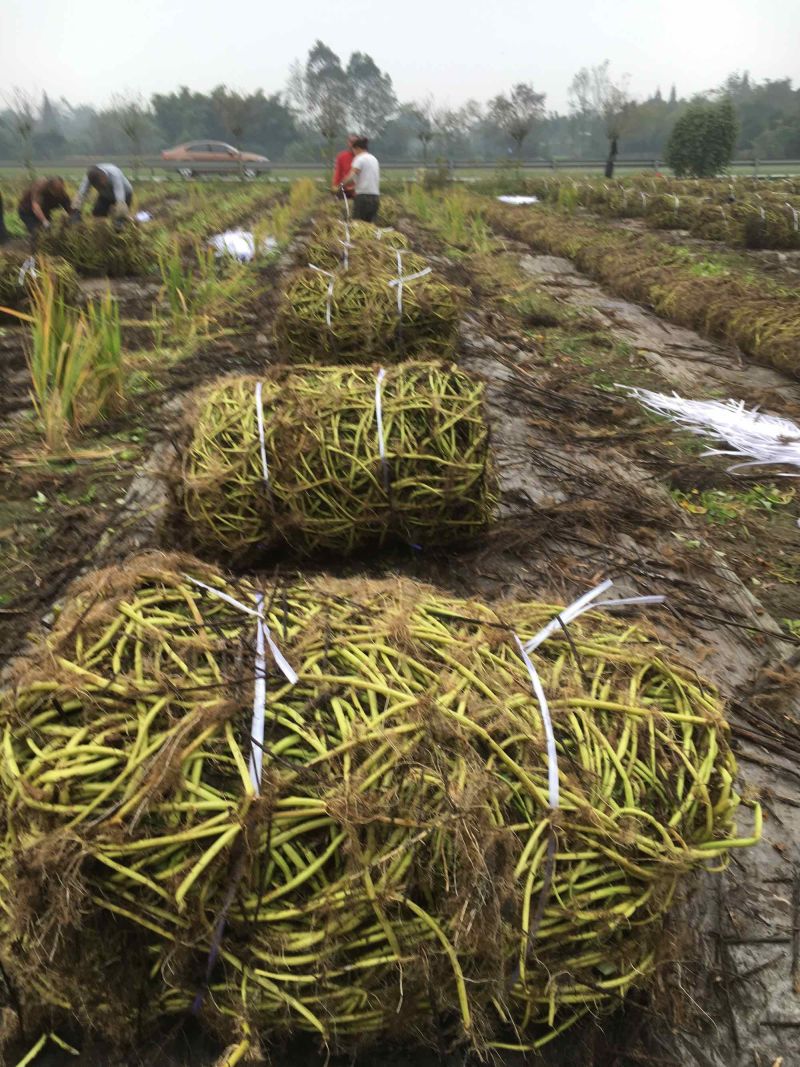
<point x="668" y="211"/>
<point x="760" y="316"/>
<point x="359" y="244"/>
<point x="95" y="248"/>
<point x="717" y="222"/>
<point x="775" y="226"/>
<point x="359" y="318"/>
<point x="16" y="277"/>
<point x="397" y="867"/>
<point x="326" y="485"/>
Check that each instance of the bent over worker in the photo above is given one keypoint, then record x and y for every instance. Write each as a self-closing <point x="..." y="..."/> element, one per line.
<point x="114" y="192"/>
<point x="366" y="173"/>
<point x="38" y="202"/>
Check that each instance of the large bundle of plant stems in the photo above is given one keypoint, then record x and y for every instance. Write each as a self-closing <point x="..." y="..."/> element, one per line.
<point x="718" y="222"/>
<point x="96" y="248"/>
<point x="328" y="486"/>
<point x="348" y="316"/>
<point x="772" y="226"/>
<point x="385" y="857"/>
<point x="670" y="211"/>
<point x="18" y="272"/>
<point x="355" y="244"/>
<point x="717" y="298"/>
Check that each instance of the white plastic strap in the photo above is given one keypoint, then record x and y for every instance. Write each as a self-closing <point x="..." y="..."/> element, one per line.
<point x="256" y="760"/>
<point x="263" y="641"/>
<point x="379" y="414"/>
<point x="677" y="202"/>
<point x="329" y="296"/>
<point x="401" y="280"/>
<point x="28" y="267"/>
<point x="261" y="440"/>
<point x="346" y="199"/>
<point x="644" y="199"/>
<point x="587" y="602"/>
<point x="793" y="210"/>
<point x="550" y="737"/>
<point x="763" y="213"/>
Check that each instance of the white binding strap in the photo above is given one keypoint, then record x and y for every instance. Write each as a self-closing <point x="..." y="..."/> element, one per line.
<point x="794" y="215"/>
<point x="401" y="280"/>
<point x="28" y="267"/>
<point x="261" y="440"/>
<point x="550" y="737"/>
<point x="379" y="413"/>
<point x="346" y="199"/>
<point x="587" y="602"/>
<point x="329" y="297"/>
<point x="263" y="641"/>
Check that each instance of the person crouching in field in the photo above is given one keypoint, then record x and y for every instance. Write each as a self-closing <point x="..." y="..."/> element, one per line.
<point x="114" y="193"/>
<point x="366" y="174"/>
<point x="38" y="202"/>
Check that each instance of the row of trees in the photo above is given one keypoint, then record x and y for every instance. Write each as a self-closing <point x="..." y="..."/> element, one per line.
<point x="325" y="97"/>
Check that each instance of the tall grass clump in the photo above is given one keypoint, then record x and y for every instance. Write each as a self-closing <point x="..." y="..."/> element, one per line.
<point x="74" y="358"/>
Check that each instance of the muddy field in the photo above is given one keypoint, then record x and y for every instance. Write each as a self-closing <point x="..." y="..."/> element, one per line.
<point x="591" y="486"/>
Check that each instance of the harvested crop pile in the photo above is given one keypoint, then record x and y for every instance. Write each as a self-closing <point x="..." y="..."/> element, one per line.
<point x="668" y="211"/>
<point x="389" y="867"/>
<point x="16" y="277"/>
<point x="326" y="486"/>
<point x="775" y="226"/>
<point x="363" y="245"/>
<point x="718" y="222"/>
<point x="95" y="248"/>
<point x="760" y="316"/>
<point x="350" y="316"/>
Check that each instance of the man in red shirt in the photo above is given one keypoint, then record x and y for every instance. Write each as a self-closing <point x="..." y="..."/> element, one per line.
<point x="342" y="167"/>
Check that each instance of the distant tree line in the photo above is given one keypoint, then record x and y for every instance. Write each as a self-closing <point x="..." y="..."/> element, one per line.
<point x="325" y="97"/>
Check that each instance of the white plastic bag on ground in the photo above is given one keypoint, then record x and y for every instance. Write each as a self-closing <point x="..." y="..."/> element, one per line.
<point x="518" y="199"/>
<point x="240" y="244"/>
<point x="143" y="216"/>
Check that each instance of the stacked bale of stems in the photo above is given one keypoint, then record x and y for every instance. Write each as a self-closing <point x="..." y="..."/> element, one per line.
<point x="95" y="248"/>
<point x="761" y="317"/>
<point x="774" y="225"/>
<point x="332" y="477"/>
<point x="387" y="859"/>
<point x="669" y="211"/>
<point x="359" y="317"/>
<point x="361" y="244"/>
<point x="718" y="222"/>
<point x="18" y="272"/>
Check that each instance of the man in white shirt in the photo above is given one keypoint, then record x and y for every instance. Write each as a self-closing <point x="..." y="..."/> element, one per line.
<point x="114" y="191"/>
<point x="366" y="174"/>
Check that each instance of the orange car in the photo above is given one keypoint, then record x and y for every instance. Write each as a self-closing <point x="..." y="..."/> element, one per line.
<point x="214" y="157"/>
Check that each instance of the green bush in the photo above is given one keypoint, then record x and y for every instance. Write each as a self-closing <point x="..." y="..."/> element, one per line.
<point x="702" y="140"/>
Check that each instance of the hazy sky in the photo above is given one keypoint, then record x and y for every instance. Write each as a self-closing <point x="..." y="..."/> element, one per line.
<point x="455" y="49"/>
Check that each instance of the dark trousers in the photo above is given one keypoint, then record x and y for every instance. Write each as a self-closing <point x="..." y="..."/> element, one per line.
<point x="32" y="224"/>
<point x="365" y="206"/>
<point x="103" y="205"/>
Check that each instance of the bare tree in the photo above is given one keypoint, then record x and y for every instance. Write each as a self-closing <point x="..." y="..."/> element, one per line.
<point x="449" y="126"/>
<point x="422" y="112"/>
<point x="22" y="109"/>
<point x="371" y="97"/>
<point x="517" y="113"/>
<point x="134" y="122"/>
<point x="594" y="93"/>
<point x="319" y="91"/>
